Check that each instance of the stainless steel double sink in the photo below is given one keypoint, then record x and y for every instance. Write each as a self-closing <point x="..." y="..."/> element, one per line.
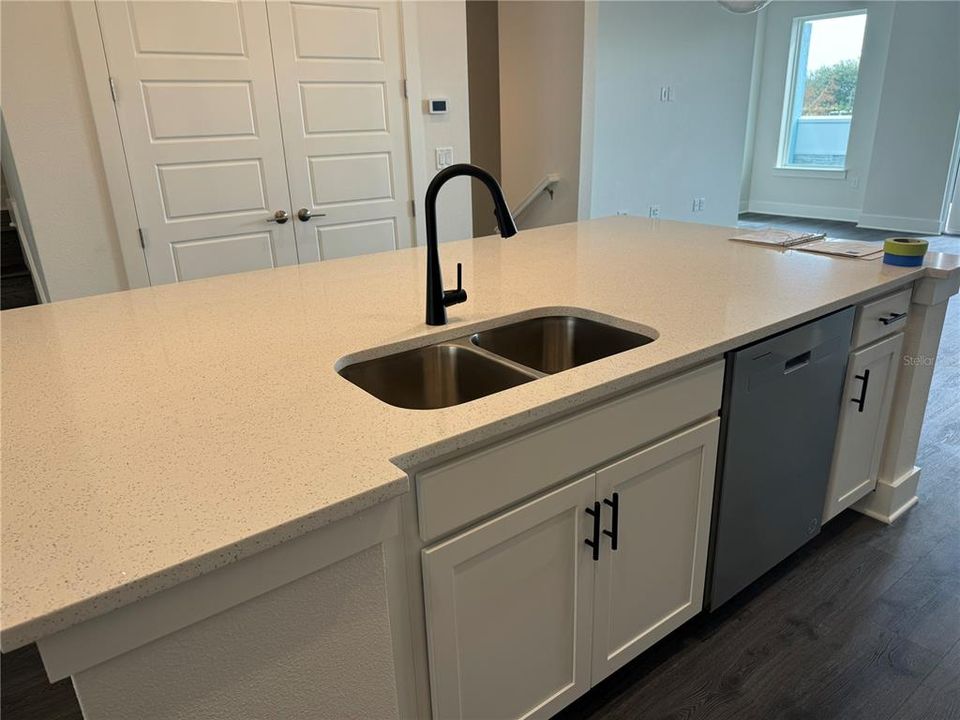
<point x="457" y="371"/>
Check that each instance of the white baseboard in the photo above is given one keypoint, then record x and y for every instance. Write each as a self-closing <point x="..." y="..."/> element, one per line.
<point x="894" y="223"/>
<point x="890" y="500"/>
<point x="814" y="212"/>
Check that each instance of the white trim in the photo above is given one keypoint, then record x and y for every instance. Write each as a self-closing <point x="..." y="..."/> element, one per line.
<point x="950" y="191"/>
<point x="97" y="75"/>
<point x="816" y="212"/>
<point x="812" y="173"/>
<point x="416" y="142"/>
<point x="891" y="500"/>
<point x="588" y="108"/>
<point x="896" y="223"/>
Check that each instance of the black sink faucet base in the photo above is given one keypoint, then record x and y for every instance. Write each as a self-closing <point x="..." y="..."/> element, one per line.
<point x="437" y="298"/>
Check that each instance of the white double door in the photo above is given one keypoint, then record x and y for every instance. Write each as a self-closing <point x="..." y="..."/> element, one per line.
<point x="234" y="113"/>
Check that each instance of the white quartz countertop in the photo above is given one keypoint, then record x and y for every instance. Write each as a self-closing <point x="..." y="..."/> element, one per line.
<point x="154" y="435"/>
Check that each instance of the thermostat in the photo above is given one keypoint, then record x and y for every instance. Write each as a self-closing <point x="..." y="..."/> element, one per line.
<point x="437" y="106"/>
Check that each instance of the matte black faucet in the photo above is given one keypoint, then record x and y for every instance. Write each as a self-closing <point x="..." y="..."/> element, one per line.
<point x="437" y="298"/>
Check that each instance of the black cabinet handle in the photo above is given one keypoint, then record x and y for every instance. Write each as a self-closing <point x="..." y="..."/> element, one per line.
<point x="892" y="318"/>
<point x="614" y="532"/>
<point x="863" y="390"/>
<point x="595" y="542"/>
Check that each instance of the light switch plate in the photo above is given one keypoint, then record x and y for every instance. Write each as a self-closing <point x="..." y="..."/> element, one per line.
<point x="444" y="157"/>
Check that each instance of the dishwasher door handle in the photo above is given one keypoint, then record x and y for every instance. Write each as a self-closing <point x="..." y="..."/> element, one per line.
<point x="797" y="362"/>
<point x="863" y="390"/>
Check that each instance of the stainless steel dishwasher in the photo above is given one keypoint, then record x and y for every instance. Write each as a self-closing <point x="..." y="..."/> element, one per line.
<point x="779" y="419"/>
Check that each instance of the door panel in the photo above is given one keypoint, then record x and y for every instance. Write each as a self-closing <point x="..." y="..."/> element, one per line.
<point x="335" y="241"/>
<point x="227" y="110"/>
<point x="862" y="428"/>
<point x="653" y="582"/>
<point x="509" y="610"/>
<point x="195" y="259"/>
<point x="340" y="83"/>
<point x="197" y="105"/>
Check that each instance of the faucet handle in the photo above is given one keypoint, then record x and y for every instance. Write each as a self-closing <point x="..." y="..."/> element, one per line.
<point x="454" y="297"/>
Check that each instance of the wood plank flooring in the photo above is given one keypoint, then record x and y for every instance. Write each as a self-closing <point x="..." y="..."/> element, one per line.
<point x="863" y="622"/>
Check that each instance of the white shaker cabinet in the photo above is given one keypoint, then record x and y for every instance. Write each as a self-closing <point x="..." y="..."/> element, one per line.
<point x="509" y="610"/>
<point x="868" y="393"/>
<point x="528" y="610"/>
<point x="653" y="582"/>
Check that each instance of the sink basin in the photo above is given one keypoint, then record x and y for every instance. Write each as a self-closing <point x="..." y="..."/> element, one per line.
<point x="435" y="376"/>
<point x="560" y="342"/>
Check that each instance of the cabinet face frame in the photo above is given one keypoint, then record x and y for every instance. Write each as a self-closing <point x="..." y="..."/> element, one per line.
<point x="870" y="426"/>
<point x="440" y="566"/>
<point x="697" y="445"/>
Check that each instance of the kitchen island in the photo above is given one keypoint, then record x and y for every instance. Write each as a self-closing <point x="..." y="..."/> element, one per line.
<point x="186" y="459"/>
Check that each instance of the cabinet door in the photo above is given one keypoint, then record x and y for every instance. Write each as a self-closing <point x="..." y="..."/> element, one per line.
<point x="340" y="81"/>
<point x="868" y="392"/>
<point x="196" y="101"/>
<point x="509" y="608"/>
<point x="656" y="505"/>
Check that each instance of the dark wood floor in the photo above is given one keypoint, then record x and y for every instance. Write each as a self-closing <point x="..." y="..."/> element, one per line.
<point x="863" y="622"/>
<point x="833" y="228"/>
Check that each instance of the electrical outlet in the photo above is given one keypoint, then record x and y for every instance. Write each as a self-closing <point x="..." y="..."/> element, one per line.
<point x="666" y="93"/>
<point x="623" y="212"/>
<point x="654" y="211"/>
<point x="855" y="182"/>
<point x="444" y="157"/>
<point x="698" y="204"/>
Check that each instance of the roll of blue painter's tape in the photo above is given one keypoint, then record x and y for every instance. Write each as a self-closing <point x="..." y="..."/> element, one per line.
<point x="903" y="260"/>
<point x="905" y="252"/>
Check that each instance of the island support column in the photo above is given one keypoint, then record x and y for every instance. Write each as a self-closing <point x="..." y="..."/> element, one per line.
<point x="896" y="490"/>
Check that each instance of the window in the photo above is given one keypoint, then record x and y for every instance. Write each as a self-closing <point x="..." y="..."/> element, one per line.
<point x="821" y="84"/>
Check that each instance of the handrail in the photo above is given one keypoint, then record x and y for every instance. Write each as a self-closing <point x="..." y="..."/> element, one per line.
<point x="545" y="185"/>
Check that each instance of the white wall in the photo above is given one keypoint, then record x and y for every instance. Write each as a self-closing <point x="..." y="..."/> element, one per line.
<point x="541" y="61"/>
<point x="443" y="73"/>
<point x="897" y="158"/>
<point x="648" y="152"/>
<point x="53" y="140"/>
<point x="915" y="132"/>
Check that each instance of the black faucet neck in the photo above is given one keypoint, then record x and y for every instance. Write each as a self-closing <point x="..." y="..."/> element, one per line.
<point x="437" y="298"/>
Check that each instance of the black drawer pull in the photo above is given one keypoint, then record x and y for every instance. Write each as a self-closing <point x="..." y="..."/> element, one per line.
<point x="863" y="390"/>
<point x="892" y="318"/>
<point x="595" y="542"/>
<point x="614" y="532"/>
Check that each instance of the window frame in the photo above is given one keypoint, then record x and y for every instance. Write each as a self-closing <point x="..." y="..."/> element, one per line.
<point x="789" y="96"/>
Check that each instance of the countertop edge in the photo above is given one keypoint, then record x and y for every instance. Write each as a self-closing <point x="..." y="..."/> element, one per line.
<point x="16" y="636"/>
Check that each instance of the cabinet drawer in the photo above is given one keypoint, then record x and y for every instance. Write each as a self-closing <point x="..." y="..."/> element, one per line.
<point x="456" y="494"/>
<point x="878" y="318"/>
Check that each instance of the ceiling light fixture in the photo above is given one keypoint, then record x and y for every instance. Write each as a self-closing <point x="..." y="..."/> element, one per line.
<point x="744" y="7"/>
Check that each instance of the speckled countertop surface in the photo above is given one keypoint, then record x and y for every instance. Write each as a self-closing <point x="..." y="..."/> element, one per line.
<point x="154" y="435"/>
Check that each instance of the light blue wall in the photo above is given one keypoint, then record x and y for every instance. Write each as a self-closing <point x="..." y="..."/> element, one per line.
<point x="648" y="152"/>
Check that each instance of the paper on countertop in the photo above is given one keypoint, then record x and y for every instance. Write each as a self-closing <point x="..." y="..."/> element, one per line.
<point x="776" y="237"/>
<point x="844" y="248"/>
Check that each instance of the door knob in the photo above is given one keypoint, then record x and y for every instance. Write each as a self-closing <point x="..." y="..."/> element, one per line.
<point x="304" y="214"/>
<point x="279" y="217"/>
